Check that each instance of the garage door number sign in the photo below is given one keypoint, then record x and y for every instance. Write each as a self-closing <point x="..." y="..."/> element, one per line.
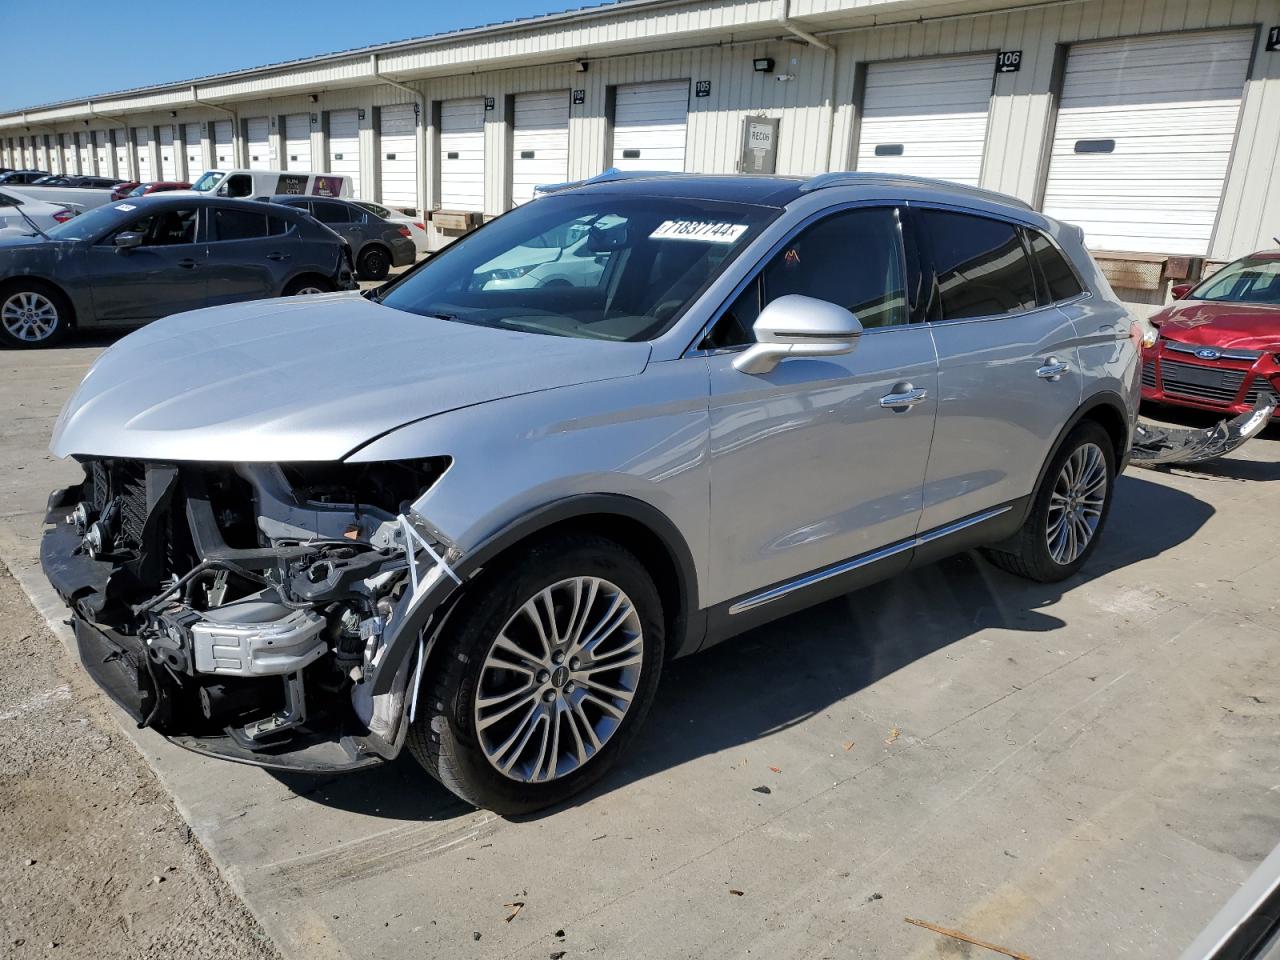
<point x="1273" y="39"/>
<point x="1008" y="61"/>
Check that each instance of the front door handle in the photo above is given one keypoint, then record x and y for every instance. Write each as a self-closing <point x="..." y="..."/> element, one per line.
<point x="277" y="256"/>
<point x="187" y="264"/>
<point x="1053" y="369"/>
<point x="903" y="398"/>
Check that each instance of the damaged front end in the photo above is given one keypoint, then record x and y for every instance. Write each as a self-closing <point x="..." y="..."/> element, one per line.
<point x="1157" y="446"/>
<point x="265" y="613"/>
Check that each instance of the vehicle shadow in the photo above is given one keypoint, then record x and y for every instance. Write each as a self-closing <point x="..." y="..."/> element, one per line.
<point x="780" y="675"/>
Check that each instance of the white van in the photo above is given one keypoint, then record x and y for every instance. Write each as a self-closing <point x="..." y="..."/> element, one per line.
<point x="267" y="183"/>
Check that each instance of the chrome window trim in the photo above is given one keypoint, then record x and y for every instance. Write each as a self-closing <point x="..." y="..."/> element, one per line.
<point x="811" y="579"/>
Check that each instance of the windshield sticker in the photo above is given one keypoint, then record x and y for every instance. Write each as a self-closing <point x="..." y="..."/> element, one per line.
<point x="707" y="231"/>
<point x="126" y="207"/>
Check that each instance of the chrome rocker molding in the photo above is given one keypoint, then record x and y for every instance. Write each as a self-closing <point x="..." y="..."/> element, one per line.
<point x="776" y="593"/>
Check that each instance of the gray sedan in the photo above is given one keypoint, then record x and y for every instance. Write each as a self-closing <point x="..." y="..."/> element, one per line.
<point x="378" y="244"/>
<point x="132" y="262"/>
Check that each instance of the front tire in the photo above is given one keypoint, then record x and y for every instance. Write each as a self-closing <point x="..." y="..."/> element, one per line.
<point x="544" y="676"/>
<point x="33" y="315"/>
<point x="308" y="287"/>
<point x="1069" y="510"/>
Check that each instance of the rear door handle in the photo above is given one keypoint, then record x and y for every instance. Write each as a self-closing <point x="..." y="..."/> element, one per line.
<point x="187" y="264"/>
<point x="903" y="400"/>
<point x="1052" y="369"/>
<point x="277" y="256"/>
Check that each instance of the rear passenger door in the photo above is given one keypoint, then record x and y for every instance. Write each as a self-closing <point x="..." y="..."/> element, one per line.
<point x="249" y="255"/>
<point x="1008" y="371"/>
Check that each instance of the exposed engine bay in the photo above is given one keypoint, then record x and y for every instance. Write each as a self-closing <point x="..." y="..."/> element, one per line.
<point x="245" y="610"/>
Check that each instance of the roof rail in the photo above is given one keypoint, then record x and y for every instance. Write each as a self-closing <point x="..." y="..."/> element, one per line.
<point x="851" y="178"/>
<point x="613" y="173"/>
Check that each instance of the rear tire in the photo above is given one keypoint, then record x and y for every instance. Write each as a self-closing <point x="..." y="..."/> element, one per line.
<point x="33" y="314"/>
<point x="308" y="286"/>
<point x="374" y="264"/>
<point x="538" y="717"/>
<point x="1068" y="513"/>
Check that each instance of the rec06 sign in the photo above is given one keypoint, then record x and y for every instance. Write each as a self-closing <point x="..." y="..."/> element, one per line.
<point x="1008" y="61"/>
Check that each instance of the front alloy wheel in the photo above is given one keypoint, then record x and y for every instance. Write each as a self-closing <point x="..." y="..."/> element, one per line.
<point x="31" y="318"/>
<point x="543" y="674"/>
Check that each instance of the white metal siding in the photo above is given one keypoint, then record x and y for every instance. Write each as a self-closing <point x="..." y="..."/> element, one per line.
<point x="540" y="142"/>
<point x="142" y="137"/>
<point x="344" y="145"/>
<point x="926" y="118"/>
<point x="259" y="141"/>
<point x="399" y="156"/>
<point x="224" y="150"/>
<point x="102" y="146"/>
<point x="85" y="152"/>
<point x="120" y="140"/>
<point x="650" y="123"/>
<point x="168" y="156"/>
<point x="1163" y="110"/>
<point x="462" y="154"/>
<point x="195" y="151"/>
<point x="297" y="141"/>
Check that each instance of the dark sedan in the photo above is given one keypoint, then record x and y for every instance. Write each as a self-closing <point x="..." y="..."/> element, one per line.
<point x="76" y="180"/>
<point x="22" y="176"/>
<point x="378" y="244"/>
<point x="129" y="263"/>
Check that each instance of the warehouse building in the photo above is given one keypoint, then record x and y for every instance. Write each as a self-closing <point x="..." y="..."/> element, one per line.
<point x="1153" y="124"/>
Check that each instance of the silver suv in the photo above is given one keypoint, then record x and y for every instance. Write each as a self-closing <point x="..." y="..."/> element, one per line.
<point x="474" y="517"/>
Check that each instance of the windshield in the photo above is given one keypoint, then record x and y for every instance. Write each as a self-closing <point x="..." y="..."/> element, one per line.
<point x="1251" y="280"/>
<point x="208" y="181"/>
<point x="89" y="224"/>
<point x="584" y="265"/>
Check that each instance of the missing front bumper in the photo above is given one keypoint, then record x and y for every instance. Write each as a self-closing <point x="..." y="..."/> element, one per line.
<point x="1156" y="446"/>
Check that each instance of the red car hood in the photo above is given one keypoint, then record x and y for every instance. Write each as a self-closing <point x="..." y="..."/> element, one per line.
<point x="1244" y="326"/>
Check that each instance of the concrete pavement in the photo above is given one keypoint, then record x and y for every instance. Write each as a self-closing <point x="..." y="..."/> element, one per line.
<point x="1078" y="770"/>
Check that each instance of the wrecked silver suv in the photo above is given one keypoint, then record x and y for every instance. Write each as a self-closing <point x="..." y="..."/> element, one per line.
<point x="474" y="514"/>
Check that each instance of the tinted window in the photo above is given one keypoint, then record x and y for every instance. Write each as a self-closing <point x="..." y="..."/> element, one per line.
<point x="238" y="225"/>
<point x="165" y="228"/>
<point x="279" y="226"/>
<point x="1057" y="273"/>
<point x="241" y="185"/>
<point x="980" y="267"/>
<point x="853" y="259"/>
<point x="327" y="212"/>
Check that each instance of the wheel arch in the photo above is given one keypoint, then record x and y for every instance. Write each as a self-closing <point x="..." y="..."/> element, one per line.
<point x="10" y="283"/>
<point x="1108" y="410"/>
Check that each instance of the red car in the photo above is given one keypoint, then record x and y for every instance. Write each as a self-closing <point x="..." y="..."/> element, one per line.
<point x="1218" y="345"/>
<point x="122" y="189"/>
<point x="157" y="186"/>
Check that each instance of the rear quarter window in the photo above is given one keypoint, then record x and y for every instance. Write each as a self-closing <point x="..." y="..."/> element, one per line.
<point x="1059" y="278"/>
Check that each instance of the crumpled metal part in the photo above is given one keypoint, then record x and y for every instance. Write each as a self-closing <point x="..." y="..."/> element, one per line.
<point x="1157" y="446"/>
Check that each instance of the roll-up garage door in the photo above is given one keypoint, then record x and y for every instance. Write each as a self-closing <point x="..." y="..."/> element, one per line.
<point x="194" y="150"/>
<point x="120" y="144"/>
<point x="102" y="146"/>
<point x="85" y="152"/>
<point x="649" y="125"/>
<point x="297" y="142"/>
<point x="344" y="146"/>
<point x="540" y="142"/>
<point x="142" y="137"/>
<point x="462" y="154"/>
<point x="258" y="134"/>
<point x="224" y="148"/>
<point x="398" y="146"/>
<point x="28" y="154"/>
<point x="926" y="118"/>
<point x="1143" y="138"/>
<point x="168" y="157"/>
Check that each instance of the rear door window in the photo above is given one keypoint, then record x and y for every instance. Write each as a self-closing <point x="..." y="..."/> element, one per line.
<point x="328" y="212"/>
<point x="979" y="266"/>
<point x="238" y="224"/>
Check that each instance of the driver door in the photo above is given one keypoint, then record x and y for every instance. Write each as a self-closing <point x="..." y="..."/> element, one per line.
<point x="808" y="469"/>
<point x="165" y="274"/>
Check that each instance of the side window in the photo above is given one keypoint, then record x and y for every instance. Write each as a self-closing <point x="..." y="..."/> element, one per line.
<point x="1058" y="275"/>
<point x="278" y="226"/>
<point x="240" y="185"/>
<point x="327" y="212"/>
<point x="980" y="268"/>
<point x="164" y="229"/>
<point x="238" y="224"/>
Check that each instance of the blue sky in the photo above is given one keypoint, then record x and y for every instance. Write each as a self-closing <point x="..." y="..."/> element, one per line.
<point x="78" y="48"/>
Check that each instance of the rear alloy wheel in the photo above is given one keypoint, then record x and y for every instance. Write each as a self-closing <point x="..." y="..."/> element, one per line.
<point x="308" y="287"/>
<point x="33" y="316"/>
<point x="375" y="264"/>
<point x="1068" y="512"/>
<point x="544" y="678"/>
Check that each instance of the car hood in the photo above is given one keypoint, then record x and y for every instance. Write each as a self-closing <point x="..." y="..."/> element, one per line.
<point x="310" y="378"/>
<point x="1242" y="326"/>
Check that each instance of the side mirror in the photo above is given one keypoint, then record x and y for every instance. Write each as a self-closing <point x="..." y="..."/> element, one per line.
<point x="798" y="326"/>
<point x="127" y="241"/>
<point x="1180" y="290"/>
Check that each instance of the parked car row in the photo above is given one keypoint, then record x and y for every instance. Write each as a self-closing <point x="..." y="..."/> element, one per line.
<point x="21" y="216"/>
